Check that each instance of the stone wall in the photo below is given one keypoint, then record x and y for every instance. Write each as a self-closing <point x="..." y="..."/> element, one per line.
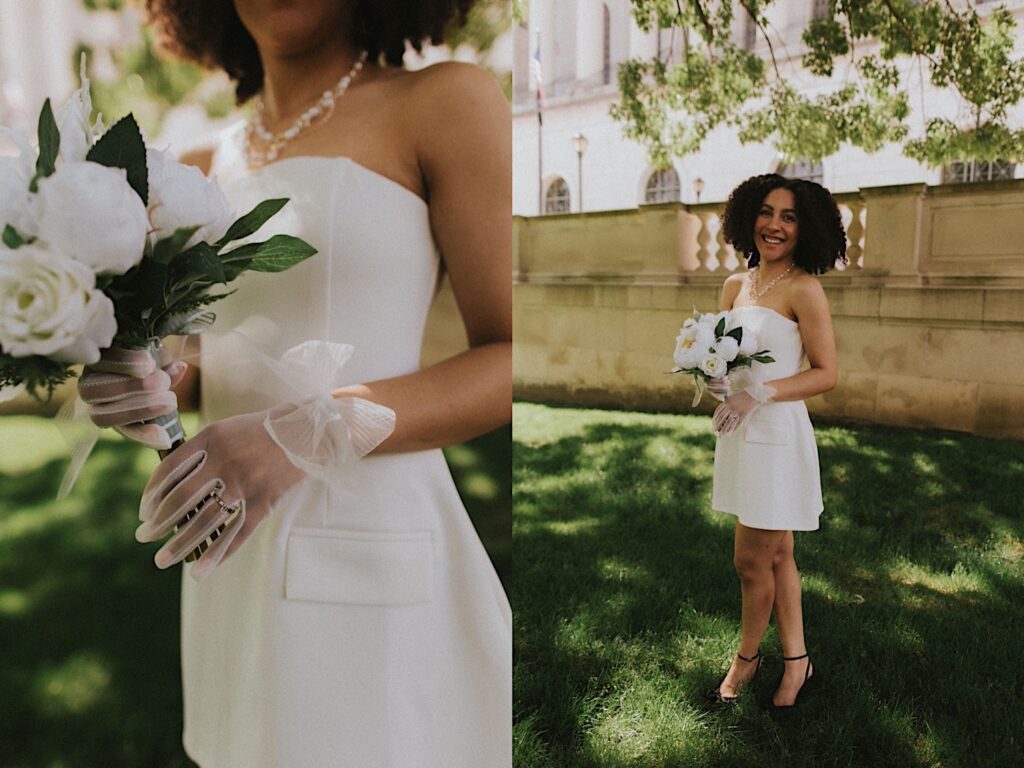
<point x="929" y="317"/>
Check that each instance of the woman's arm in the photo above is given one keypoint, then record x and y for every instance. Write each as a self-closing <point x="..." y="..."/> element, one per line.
<point x="464" y="143"/>
<point x="810" y="305"/>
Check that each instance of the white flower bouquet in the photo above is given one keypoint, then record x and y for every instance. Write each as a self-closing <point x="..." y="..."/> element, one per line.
<point x="711" y="345"/>
<point x="108" y="243"/>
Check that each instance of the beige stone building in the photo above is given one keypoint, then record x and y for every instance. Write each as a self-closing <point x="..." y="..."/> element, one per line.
<point x="929" y="315"/>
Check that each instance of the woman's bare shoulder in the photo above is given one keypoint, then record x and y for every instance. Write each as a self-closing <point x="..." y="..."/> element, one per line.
<point x="200" y="157"/>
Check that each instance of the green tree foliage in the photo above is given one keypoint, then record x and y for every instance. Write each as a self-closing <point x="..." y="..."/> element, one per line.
<point x="861" y="63"/>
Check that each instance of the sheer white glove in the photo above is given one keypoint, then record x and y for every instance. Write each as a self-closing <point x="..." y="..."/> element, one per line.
<point x="219" y="486"/>
<point x="736" y="409"/>
<point x="719" y="388"/>
<point x="125" y="388"/>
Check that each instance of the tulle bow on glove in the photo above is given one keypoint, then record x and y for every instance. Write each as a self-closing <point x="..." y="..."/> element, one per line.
<point x="219" y="486"/>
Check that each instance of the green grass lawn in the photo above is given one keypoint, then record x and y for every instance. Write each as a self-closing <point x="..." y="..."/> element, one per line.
<point x="626" y="607"/>
<point x="89" y="627"/>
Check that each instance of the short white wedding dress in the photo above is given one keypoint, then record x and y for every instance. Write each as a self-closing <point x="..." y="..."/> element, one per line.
<point x="766" y="472"/>
<point x="362" y="625"/>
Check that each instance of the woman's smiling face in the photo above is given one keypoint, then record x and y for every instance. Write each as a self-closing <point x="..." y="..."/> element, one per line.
<point x="776" y="227"/>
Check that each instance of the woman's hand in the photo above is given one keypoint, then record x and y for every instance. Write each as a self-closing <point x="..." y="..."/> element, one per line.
<point x="731" y="414"/>
<point x="233" y="472"/>
<point x="719" y="388"/>
<point x="231" y="468"/>
<point x="126" y="388"/>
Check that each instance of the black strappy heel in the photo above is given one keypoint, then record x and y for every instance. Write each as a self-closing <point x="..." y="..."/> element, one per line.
<point x="715" y="695"/>
<point x="807" y="676"/>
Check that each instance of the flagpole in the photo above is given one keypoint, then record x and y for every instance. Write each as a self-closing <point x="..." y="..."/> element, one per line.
<point x="539" y="78"/>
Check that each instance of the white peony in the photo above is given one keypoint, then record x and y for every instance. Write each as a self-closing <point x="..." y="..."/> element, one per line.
<point x="77" y="135"/>
<point x="181" y="196"/>
<point x="748" y="342"/>
<point x="704" y="339"/>
<point x="685" y="356"/>
<point x="727" y="348"/>
<point x="15" y="174"/>
<point x="89" y="212"/>
<point x="710" y="319"/>
<point x="714" y="366"/>
<point x="49" y="305"/>
<point x="692" y="345"/>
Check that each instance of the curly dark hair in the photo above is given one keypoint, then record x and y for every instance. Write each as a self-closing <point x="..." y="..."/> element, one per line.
<point x="821" y="242"/>
<point x="211" y="33"/>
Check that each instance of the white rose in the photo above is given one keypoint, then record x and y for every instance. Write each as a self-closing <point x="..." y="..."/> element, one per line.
<point x="714" y="366"/>
<point x="181" y="196"/>
<point x="90" y="212"/>
<point x="726" y="348"/>
<point x="49" y="305"/>
<point x="748" y="342"/>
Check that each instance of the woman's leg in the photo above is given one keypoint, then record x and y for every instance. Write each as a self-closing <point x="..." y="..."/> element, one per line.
<point x="789" y="620"/>
<point x="753" y="559"/>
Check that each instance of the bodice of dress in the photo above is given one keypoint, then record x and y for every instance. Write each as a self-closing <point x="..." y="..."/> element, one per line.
<point x="777" y="334"/>
<point x="370" y="284"/>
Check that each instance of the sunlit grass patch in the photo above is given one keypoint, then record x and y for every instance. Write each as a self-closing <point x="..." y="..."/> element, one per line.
<point x="627" y="607"/>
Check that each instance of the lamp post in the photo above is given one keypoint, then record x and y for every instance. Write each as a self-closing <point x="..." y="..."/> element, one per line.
<point x="698" y="187"/>
<point x="579" y="141"/>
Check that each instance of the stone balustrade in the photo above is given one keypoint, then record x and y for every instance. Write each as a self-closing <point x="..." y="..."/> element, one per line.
<point x="929" y="312"/>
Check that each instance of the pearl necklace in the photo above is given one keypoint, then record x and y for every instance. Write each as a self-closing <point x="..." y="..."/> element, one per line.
<point x="756" y="294"/>
<point x="263" y="146"/>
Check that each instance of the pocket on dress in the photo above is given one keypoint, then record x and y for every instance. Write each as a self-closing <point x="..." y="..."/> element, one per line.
<point x="769" y="432"/>
<point x="325" y="565"/>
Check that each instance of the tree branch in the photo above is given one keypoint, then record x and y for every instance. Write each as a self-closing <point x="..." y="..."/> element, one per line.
<point x="757" y="22"/>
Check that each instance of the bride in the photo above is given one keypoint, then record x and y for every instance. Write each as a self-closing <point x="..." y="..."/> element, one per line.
<point x="766" y="460"/>
<point x="346" y="614"/>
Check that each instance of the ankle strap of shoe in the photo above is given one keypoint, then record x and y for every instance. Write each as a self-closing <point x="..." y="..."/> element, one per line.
<point x="792" y="658"/>
<point x="755" y="657"/>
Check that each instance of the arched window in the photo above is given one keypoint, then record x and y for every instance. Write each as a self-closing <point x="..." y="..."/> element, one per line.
<point x="556" y="197"/>
<point x="606" y="29"/>
<point x="966" y="171"/>
<point x="662" y="187"/>
<point x="802" y="169"/>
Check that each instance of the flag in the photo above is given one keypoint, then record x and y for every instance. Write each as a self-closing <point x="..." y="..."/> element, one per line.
<point x="538" y="74"/>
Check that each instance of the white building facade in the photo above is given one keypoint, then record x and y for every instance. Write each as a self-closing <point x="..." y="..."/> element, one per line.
<point x="580" y="43"/>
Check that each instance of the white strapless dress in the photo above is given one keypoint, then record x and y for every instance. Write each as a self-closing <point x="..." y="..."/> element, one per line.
<point x="361" y="626"/>
<point x="766" y="472"/>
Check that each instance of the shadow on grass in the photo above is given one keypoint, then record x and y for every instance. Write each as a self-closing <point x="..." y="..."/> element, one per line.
<point x="627" y="609"/>
<point x="89" y="628"/>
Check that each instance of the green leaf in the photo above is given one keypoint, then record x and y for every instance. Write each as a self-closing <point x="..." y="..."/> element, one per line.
<point x="279" y="253"/>
<point x="49" y="145"/>
<point x="122" y="147"/>
<point x="36" y="372"/>
<point x="720" y="328"/>
<point x="169" y="247"/>
<point x="12" y="238"/>
<point x="198" y="267"/>
<point x="252" y="221"/>
<point x="238" y="260"/>
<point x="736" y="333"/>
